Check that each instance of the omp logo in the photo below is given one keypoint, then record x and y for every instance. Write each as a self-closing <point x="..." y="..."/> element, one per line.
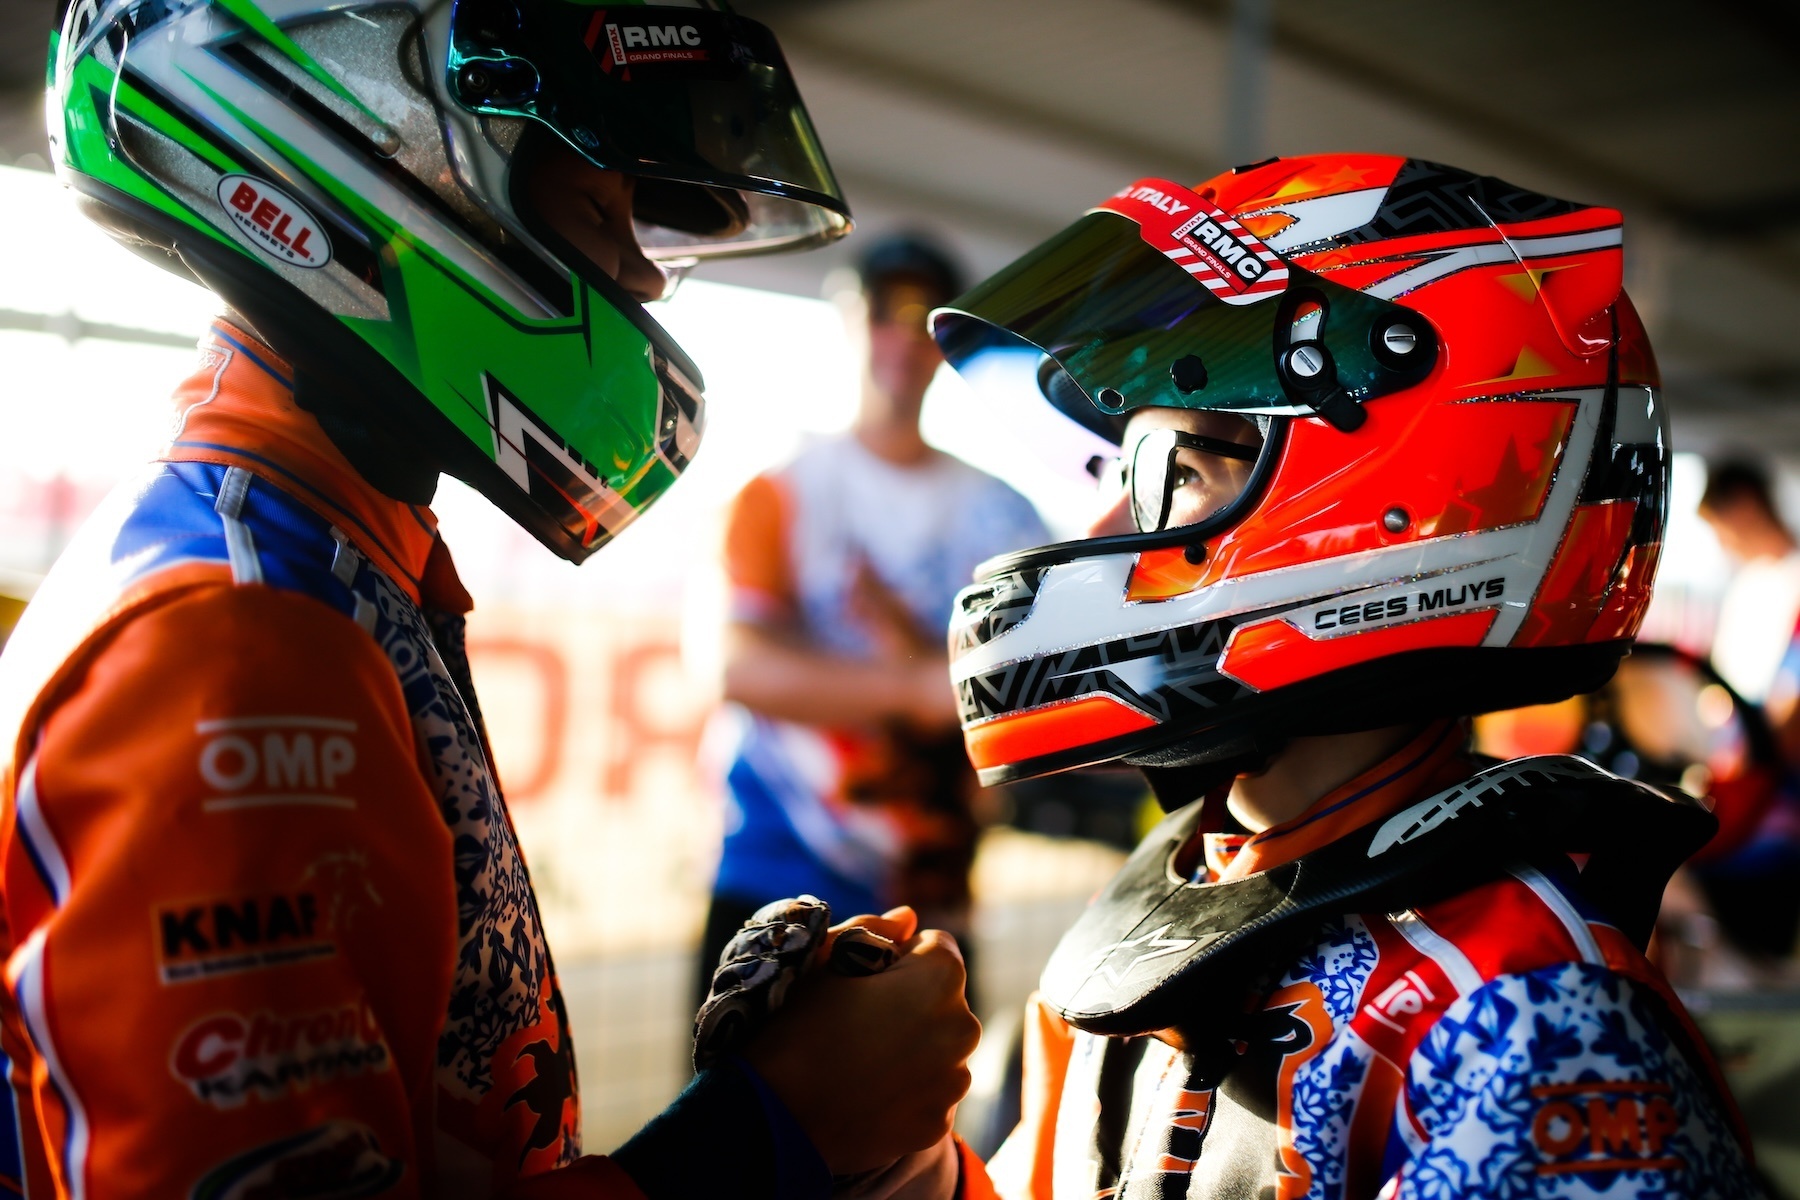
<point x="221" y="937"/>
<point x="228" y="1058"/>
<point x="266" y="762"/>
<point x="1604" y="1125"/>
<point x="274" y="222"/>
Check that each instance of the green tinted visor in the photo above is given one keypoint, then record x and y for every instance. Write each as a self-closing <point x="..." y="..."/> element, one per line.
<point x="698" y="104"/>
<point x="1118" y="313"/>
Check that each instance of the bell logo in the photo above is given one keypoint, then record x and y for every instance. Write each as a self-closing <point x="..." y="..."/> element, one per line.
<point x="274" y="222"/>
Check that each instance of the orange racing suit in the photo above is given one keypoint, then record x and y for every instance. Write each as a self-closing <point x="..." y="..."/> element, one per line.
<point x="1507" y="1043"/>
<point x="267" y="930"/>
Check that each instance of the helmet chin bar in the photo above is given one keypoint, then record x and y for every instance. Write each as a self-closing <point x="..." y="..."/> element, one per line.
<point x="1447" y="681"/>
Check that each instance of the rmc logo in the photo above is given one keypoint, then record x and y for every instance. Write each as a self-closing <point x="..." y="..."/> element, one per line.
<point x="632" y="44"/>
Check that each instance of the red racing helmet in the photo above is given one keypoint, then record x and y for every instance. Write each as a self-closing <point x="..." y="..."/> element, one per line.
<point x="1423" y="426"/>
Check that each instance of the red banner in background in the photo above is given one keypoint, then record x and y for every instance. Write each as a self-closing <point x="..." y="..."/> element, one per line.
<point x="596" y="731"/>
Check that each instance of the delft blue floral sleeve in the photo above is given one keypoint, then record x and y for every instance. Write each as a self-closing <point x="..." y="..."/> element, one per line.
<point x="1562" y="1082"/>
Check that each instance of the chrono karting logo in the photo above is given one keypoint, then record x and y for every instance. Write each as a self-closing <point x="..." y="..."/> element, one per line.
<point x="228" y="1058"/>
<point x="274" y="222"/>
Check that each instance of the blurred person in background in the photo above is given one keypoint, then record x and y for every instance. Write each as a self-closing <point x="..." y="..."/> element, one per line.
<point x="844" y="774"/>
<point x="1762" y="602"/>
<point x="1731" y="914"/>
<point x="267" y="927"/>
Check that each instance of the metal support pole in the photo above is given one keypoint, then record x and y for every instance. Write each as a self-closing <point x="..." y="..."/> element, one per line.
<point x="1246" y="81"/>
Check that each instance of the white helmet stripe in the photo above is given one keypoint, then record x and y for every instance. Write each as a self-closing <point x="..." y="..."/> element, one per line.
<point x="1552" y="524"/>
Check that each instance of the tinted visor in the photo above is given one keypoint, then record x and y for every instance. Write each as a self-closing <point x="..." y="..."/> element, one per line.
<point x="1126" y="314"/>
<point x="698" y="104"/>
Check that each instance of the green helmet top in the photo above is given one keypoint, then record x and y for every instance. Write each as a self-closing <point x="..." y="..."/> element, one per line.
<point x="349" y="178"/>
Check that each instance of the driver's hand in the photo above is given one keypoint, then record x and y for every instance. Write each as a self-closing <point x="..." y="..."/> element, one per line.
<point x="873" y="1067"/>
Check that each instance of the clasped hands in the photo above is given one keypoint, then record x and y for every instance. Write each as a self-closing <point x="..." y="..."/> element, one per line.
<point x="872" y="1067"/>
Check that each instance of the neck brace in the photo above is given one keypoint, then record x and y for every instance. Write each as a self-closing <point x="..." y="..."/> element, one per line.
<point x="1156" y="952"/>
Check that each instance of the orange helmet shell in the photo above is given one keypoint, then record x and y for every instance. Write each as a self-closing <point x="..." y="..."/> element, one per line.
<point x="1483" y="538"/>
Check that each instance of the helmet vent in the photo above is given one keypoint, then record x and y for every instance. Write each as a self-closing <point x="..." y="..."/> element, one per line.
<point x="1308" y="322"/>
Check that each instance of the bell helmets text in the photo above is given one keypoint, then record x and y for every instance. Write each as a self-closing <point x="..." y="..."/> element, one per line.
<point x="274" y="222"/>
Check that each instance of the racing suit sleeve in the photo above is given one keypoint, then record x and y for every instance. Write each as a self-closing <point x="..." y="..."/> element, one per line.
<point x="231" y="923"/>
<point x="236" y="961"/>
<point x="1560" y="1081"/>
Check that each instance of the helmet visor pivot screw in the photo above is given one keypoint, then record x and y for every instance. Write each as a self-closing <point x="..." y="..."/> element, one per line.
<point x="1400" y="340"/>
<point x="475" y="82"/>
<point x="1188" y="373"/>
<point x="1306" y="361"/>
<point x="1396" y="520"/>
<point x="1112" y="399"/>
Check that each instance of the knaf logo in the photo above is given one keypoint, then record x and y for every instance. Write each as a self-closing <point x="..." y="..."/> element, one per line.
<point x="228" y="1058"/>
<point x="274" y="222"/>
<point x="223" y="937"/>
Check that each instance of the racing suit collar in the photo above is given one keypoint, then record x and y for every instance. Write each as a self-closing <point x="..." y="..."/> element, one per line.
<point x="238" y="409"/>
<point x="1431" y="761"/>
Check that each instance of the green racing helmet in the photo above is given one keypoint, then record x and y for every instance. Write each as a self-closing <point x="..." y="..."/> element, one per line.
<point x="349" y="176"/>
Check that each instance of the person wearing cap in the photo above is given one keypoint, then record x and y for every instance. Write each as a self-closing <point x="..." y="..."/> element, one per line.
<point x="844" y="777"/>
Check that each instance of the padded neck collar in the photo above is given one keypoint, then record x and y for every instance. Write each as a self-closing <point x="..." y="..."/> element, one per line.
<point x="1157" y="952"/>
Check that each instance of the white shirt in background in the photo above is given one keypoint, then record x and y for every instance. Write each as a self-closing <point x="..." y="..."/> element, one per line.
<point x="1756" y="624"/>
